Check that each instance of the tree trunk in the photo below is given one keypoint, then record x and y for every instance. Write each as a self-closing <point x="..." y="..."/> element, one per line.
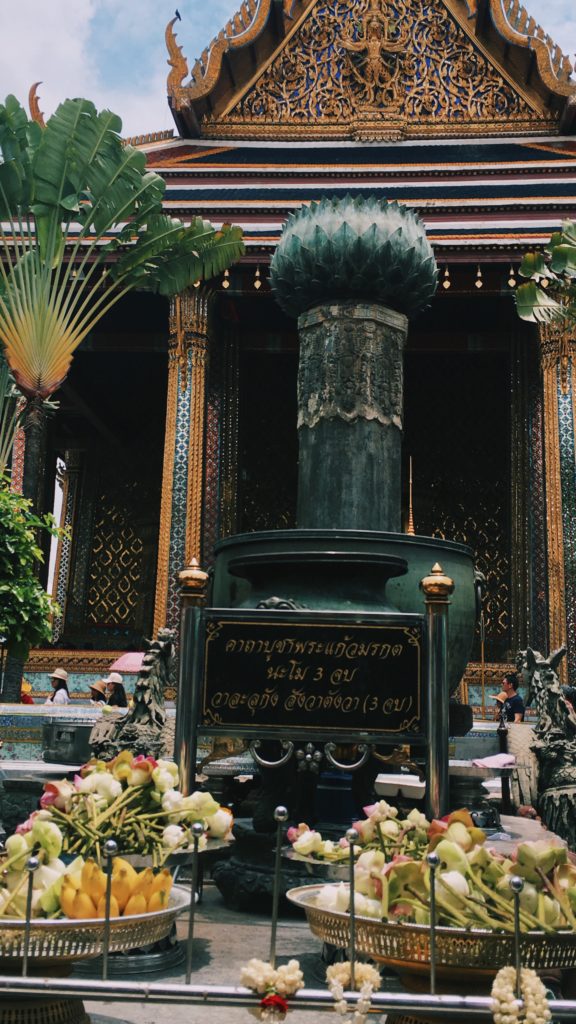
<point x="34" y="461"/>
<point x="32" y="484"/>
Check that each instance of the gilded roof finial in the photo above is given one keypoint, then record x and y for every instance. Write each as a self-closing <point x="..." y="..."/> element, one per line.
<point x="177" y="62"/>
<point x="33" y="104"/>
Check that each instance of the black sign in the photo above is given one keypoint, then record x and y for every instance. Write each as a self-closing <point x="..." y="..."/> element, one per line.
<point x="312" y="673"/>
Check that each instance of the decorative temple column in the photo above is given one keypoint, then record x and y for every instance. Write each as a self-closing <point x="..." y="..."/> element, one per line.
<point x="184" y="450"/>
<point x="558" y="351"/>
<point x="69" y="482"/>
<point x="350" y="416"/>
<point x="353" y="271"/>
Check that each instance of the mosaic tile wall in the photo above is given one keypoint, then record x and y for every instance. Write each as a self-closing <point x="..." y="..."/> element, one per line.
<point x="179" y="500"/>
<point x="22" y="726"/>
<point x="568" y="483"/>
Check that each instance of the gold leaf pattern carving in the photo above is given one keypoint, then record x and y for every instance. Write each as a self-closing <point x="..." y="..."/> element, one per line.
<point x="381" y="61"/>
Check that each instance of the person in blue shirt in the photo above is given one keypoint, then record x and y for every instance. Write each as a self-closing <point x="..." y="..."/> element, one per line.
<point x="513" y="708"/>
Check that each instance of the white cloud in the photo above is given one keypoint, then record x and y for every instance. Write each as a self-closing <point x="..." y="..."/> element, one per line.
<point x="113" y="51"/>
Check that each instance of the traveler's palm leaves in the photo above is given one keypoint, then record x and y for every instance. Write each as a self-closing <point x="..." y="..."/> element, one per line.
<point x="84" y="227"/>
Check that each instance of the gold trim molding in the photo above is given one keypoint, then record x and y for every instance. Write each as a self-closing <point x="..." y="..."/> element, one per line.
<point x="198" y="304"/>
<point x="89" y="662"/>
<point x="163" y="564"/>
<point x="552" y="341"/>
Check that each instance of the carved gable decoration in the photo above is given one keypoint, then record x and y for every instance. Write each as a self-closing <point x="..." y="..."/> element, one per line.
<point x="380" y="69"/>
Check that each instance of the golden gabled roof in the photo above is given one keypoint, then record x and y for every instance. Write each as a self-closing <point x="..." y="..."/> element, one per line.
<point x="502" y="31"/>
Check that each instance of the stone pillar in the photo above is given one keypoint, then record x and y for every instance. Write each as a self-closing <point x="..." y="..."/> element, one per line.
<point x="183" y="470"/>
<point x="193" y="583"/>
<point x="70" y="479"/>
<point x="350" y="396"/>
<point x="558" y="351"/>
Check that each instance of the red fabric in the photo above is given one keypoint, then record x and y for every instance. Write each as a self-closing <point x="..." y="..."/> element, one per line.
<point x="25" y="698"/>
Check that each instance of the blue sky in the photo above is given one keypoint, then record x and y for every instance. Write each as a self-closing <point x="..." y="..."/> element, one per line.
<point x="113" y="51"/>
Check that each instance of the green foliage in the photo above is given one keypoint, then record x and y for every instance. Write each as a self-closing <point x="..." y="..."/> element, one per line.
<point x="84" y="225"/>
<point x="9" y="418"/>
<point x="550" y="293"/>
<point x="357" y="249"/>
<point x="25" y="607"/>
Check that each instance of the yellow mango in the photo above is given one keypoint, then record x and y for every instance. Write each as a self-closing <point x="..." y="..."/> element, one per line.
<point x="162" y="881"/>
<point x="83" y="906"/>
<point x="137" y="904"/>
<point x="158" y="901"/>
<point x="114" y="908"/>
<point x="144" y="883"/>
<point x="93" y="880"/>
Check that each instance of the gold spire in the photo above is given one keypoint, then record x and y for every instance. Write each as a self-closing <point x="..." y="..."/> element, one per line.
<point x="177" y="62"/>
<point x="33" y="104"/>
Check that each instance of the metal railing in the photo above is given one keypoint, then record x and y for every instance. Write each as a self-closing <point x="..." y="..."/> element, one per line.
<point x="426" y="1005"/>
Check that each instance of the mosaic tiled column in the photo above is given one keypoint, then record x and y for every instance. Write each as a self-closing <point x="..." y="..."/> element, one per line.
<point x="183" y="470"/>
<point x="70" y="478"/>
<point x="558" y="352"/>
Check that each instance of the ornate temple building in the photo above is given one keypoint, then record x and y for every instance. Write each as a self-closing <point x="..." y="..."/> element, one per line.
<point x="177" y="426"/>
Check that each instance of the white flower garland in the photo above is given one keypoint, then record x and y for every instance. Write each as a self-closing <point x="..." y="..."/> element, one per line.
<point x="505" y="1009"/>
<point x="339" y="977"/>
<point x="274" y="984"/>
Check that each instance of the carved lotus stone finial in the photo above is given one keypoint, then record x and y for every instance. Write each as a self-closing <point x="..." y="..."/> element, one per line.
<point x="354" y="249"/>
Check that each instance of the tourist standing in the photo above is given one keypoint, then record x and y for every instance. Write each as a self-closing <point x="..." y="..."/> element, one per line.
<point x="59" y="684"/>
<point x="115" y="689"/>
<point x="513" y="709"/>
<point x="98" y="692"/>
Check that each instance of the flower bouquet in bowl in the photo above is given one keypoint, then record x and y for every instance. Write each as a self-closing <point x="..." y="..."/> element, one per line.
<point x="131" y="800"/>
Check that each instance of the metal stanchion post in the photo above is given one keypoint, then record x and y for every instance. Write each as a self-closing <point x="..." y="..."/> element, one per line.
<point x="280" y="817"/>
<point x="110" y="851"/>
<point x="517" y="885"/>
<point x="437" y="589"/>
<point x="197" y="833"/>
<point x="31" y="864"/>
<point x="193" y="584"/>
<point x="352" y="837"/>
<point x="433" y="861"/>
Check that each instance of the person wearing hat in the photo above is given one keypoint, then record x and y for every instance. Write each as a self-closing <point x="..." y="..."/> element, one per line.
<point x="115" y="689"/>
<point x="98" y="692"/>
<point x="59" y="684"/>
<point x="510" y="706"/>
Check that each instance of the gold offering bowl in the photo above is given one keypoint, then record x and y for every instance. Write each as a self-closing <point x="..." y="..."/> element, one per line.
<point x="54" y="946"/>
<point x="462" y="955"/>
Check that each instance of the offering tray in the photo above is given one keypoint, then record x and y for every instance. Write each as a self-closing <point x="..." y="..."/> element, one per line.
<point x="406" y="947"/>
<point x="331" y="871"/>
<point x="77" y="939"/>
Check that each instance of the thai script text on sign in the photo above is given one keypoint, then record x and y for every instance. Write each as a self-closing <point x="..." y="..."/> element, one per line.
<point x="311" y="674"/>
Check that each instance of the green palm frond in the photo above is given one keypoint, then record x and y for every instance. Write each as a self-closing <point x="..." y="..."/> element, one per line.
<point x="85" y="226"/>
<point x="549" y="295"/>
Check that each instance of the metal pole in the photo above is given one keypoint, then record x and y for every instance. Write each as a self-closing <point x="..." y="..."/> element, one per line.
<point x="433" y="863"/>
<point x="437" y="588"/>
<point x="517" y="884"/>
<point x="193" y="584"/>
<point x="412" y="1004"/>
<point x="110" y="851"/>
<point x="352" y="837"/>
<point x="280" y="817"/>
<point x="31" y="864"/>
<point x="197" y="833"/>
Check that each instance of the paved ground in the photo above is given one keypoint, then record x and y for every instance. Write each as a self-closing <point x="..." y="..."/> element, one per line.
<point x="224" y="940"/>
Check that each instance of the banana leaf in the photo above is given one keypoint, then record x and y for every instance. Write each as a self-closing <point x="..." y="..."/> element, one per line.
<point x="536" y="305"/>
<point x="83" y="213"/>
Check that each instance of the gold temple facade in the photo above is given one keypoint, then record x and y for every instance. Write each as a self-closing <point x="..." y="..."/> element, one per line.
<point x="465" y="112"/>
